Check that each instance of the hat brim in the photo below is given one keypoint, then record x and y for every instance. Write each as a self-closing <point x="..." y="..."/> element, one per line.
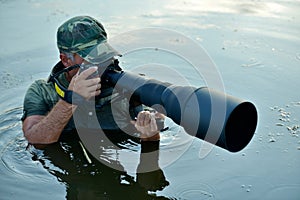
<point x="99" y="54"/>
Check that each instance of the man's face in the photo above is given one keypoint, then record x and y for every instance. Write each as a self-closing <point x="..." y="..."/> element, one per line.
<point x="67" y="62"/>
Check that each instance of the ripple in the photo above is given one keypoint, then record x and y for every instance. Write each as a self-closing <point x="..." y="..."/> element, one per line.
<point x="298" y="56"/>
<point x="242" y="187"/>
<point x="190" y="190"/>
<point x="20" y="175"/>
<point x="10" y="118"/>
<point x="253" y="63"/>
<point x="14" y="159"/>
<point x="283" y="192"/>
<point x="174" y="143"/>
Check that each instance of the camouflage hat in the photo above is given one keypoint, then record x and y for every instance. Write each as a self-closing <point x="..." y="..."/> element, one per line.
<point x="87" y="37"/>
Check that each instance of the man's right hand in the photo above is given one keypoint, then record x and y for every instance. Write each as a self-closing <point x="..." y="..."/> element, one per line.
<point x="85" y="87"/>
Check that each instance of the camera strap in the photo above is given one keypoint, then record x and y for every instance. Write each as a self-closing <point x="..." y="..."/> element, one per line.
<point x="65" y="94"/>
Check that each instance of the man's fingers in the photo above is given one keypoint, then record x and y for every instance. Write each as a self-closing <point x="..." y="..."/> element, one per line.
<point x="84" y="86"/>
<point x="147" y="119"/>
<point x="141" y="119"/>
<point x="94" y="88"/>
<point x="153" y="125"/>
<point x="95" y="93"/>
<point x="92" y="82"/>
<point x="86" y="73"/>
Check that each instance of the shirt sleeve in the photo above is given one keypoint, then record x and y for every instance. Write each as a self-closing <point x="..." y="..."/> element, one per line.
<point x="34" y="101"/>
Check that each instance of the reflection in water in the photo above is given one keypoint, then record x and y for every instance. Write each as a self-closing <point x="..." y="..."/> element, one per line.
<point x="62" y="170"/>
<point x="87" y="178"/>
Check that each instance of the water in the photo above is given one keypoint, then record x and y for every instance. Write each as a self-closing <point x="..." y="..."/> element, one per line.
<point x="255" y="46"/>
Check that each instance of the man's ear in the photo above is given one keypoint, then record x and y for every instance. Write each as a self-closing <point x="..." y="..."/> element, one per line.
<point x="64" y="59"/>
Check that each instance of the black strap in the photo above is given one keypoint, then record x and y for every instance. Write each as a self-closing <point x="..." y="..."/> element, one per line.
<point x="65" y="94"/>
<point x="68" y="95"/>
<point x="59" y="69"/>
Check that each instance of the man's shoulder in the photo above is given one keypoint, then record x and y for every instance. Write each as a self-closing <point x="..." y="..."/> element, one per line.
<point x="39" y="99"/>
<point x="40" y="84"/>
<point x="42" y="88"/>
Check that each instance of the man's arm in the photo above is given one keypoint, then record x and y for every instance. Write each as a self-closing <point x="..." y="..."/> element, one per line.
<point x="39" y="129"/>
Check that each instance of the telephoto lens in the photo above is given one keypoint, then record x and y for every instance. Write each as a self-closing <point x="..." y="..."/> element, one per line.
<point x="210" y="115"/>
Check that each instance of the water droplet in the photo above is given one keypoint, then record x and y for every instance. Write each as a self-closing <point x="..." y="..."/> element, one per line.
<point x="199" y="39"/>
<point x="274" y="108"/>
<point x="272" y="139"/>
<point x="270" y="134"/>
<point x="298" y="56"/>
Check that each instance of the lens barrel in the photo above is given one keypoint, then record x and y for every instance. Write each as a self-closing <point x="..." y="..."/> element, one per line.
<point x="207" y="114"/>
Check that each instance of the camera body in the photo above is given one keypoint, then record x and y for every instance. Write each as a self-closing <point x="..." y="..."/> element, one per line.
<point x="109" y="65"/>
<point x="103" y="72"/>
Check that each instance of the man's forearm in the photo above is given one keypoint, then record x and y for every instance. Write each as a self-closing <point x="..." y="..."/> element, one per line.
<point x="47" y="129"/>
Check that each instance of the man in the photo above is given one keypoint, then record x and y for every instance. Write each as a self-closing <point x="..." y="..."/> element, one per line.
<point x="50" y="106"/>
<point x="72" y="100"/>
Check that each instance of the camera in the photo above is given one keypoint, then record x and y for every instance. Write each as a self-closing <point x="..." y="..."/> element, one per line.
<point x="103" y="71"/>
<point x="109" y="65"/>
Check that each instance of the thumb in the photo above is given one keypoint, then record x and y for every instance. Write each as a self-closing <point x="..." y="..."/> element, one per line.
<point x="159" y="115"/>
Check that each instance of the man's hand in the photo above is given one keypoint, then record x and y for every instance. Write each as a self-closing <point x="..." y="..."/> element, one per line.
<point x="146" y="125"/>
<point x="85" y="87"/>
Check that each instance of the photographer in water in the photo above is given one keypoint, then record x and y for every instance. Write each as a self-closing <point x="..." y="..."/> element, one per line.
<point x="48" y="108"/>
<point x="73" y="97"/>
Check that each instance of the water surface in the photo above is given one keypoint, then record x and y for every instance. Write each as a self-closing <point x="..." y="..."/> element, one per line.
<point x="255" y="46"/>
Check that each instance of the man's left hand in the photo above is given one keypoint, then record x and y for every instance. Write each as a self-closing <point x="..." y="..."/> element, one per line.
<point x="146" y="124"/>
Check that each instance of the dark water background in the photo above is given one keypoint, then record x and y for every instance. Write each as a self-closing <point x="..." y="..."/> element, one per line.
<point x="255" y="46"/>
